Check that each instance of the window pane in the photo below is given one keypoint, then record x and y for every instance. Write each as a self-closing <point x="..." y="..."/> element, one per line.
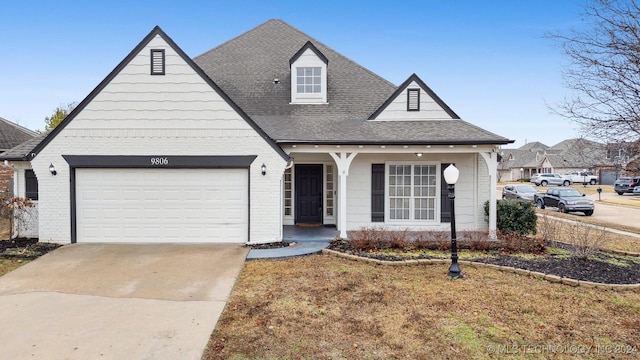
<point x="300" y="72"/>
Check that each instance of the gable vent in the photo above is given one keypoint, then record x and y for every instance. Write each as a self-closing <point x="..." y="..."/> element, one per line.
<point x="157" y="61"/>
<point x="413" y="99"/>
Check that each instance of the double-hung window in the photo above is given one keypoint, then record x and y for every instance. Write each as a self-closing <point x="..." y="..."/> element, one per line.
<point x="412" y="192"/>
<point x="309" y="80"/>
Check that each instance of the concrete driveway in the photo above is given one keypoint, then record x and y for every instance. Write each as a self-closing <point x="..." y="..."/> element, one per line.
<point x="90" y="301"/>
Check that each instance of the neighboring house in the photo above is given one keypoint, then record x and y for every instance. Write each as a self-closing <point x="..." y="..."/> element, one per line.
<point x="565" y="157"/>
<point x="271" y="128"/>
<point x="11" y="135"/>
<point x="25" y="184"/>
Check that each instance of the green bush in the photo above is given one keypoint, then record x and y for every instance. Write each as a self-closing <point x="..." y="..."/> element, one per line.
<point x="514" y="216"/>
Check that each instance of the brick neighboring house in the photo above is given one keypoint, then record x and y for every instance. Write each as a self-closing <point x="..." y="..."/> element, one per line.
<point x="11" y="135"/>
<point x="564" y="157"/>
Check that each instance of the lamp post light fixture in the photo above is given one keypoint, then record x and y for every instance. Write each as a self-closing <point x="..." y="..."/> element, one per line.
<point x="451" y="174"/>
<point x="521" y="174"/>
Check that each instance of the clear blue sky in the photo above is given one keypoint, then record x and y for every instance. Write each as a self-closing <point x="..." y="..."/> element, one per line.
<point x="488" y="60"/>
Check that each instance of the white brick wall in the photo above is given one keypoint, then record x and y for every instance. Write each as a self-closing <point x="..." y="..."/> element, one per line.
<point x="174" y="114"/>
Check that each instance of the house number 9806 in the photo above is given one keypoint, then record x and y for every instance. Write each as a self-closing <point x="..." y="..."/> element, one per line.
<point x="159" y="161"/>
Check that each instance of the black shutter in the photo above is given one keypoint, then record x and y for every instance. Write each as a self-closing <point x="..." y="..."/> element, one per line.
<point x="31" y="185"/>
<point x="445" y="203"/>
<point x="377" y="192"/>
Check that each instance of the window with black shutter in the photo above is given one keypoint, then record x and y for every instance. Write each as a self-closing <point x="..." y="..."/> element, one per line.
<point x="31" y="185"/>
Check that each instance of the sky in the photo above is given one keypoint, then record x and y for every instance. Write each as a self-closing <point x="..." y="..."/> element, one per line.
<point x="488" y="60"/>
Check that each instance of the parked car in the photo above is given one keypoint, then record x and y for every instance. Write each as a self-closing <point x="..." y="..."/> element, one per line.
<point x="521" y="191"/>
<point x="566" y="200"/>
<point x="550" y="179"/>
<point x="636" y="190"/>
<point x="626" y="184"/>
<point x="581" y="177"/>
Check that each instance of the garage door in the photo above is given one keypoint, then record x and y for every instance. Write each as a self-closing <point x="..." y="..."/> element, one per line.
<point x="162" y="205"/>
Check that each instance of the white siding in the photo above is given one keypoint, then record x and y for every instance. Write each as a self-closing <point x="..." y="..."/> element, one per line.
<point x="472" y="189"/>
<point x="397" y="109"/>
<point x="174" y="114"/>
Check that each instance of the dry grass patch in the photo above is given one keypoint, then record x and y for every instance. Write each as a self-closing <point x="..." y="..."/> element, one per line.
<point x="7" y="265"/>
<point x="323" y="307"/>
<point x="555" y="230"/>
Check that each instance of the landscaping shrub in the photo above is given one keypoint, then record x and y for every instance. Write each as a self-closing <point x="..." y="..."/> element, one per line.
<point x="587" y="240"/>
<point x="550" y="229"/>
<point x="511" y="242"/>
<point x="514" y="216"/>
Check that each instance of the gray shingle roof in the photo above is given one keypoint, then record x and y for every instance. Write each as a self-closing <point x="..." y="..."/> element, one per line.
<point x="22" y="151"/>
<point x="12" y="134"/>
<point x="245" y="68"/>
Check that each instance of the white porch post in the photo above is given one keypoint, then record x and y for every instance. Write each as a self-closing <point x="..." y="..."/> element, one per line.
<point x="343" y="162"/>
<point x="492" y="166"/>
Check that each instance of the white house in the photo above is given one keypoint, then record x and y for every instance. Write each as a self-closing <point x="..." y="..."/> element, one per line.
<point x="271" y="128"/>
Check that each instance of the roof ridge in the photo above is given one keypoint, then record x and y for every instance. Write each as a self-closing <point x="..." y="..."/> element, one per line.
<point x="311" y="38"/>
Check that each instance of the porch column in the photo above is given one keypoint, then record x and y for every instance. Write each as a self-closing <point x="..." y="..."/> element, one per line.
<point x="343" y="162"/>
<point x="490" y="159"/>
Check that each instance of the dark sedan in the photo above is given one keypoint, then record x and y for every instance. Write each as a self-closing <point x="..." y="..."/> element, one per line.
<point x="565" y="200"/>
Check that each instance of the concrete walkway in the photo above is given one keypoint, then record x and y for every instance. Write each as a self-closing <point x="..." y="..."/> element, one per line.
<point x="304" y="240"/>
<point x="97" y="301"/>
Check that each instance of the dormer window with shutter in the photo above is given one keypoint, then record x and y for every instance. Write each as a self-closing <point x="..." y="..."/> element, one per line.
<point x="308" y="76"/>
<point x="157" y="62"/>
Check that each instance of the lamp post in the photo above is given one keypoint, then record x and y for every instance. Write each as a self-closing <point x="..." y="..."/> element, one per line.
<point x="451" y="174"/>
<point x="521" y="174"/>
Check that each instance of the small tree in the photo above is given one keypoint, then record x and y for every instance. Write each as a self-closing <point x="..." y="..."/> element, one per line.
<point x="59" y="114"/>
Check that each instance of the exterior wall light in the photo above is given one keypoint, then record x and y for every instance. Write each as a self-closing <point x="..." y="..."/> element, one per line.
<point x="52" y="170"/>
<point x="263" y="168"/>
<point x="419" y="154"/>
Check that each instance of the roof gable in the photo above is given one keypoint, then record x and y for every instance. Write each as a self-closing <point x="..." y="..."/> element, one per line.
<point x="430" y="106"/>
<point x="309" y="46"/>
<point x="156" y="32"/>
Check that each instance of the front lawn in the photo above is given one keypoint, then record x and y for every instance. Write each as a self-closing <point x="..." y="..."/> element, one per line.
<point x="324" y="307"/>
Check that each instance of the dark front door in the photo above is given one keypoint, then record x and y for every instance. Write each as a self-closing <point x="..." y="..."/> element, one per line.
<point x="308" y="194"/>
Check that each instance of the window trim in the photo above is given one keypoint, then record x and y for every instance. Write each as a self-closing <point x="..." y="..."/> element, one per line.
<point x="30" y="179"/>
<point x="417" y="99"/>
<point x="153" y="63"/>
<point x="412" y="221"/>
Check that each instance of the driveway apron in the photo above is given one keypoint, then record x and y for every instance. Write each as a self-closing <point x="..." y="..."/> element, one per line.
<point x="117" y="301"/>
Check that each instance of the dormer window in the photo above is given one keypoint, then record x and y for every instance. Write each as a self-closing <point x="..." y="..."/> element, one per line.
<point x="308" y="76"/>
<point x="309" y="80"/>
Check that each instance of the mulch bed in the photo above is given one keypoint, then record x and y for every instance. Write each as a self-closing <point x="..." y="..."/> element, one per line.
<point x="22" y="248"/>
<point x="603" y="268"/>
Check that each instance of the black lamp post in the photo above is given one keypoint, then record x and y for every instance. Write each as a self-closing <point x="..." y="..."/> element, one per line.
<point x="451" y="174"/>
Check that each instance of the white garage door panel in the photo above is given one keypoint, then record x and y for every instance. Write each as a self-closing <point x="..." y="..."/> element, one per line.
<point x="161" y="205"/>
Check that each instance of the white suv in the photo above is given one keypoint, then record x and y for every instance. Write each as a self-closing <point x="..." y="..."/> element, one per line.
<point x="550" y="179"/>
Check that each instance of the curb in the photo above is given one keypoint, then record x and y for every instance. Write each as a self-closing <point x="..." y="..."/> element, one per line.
<point x="548" y="277"/>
